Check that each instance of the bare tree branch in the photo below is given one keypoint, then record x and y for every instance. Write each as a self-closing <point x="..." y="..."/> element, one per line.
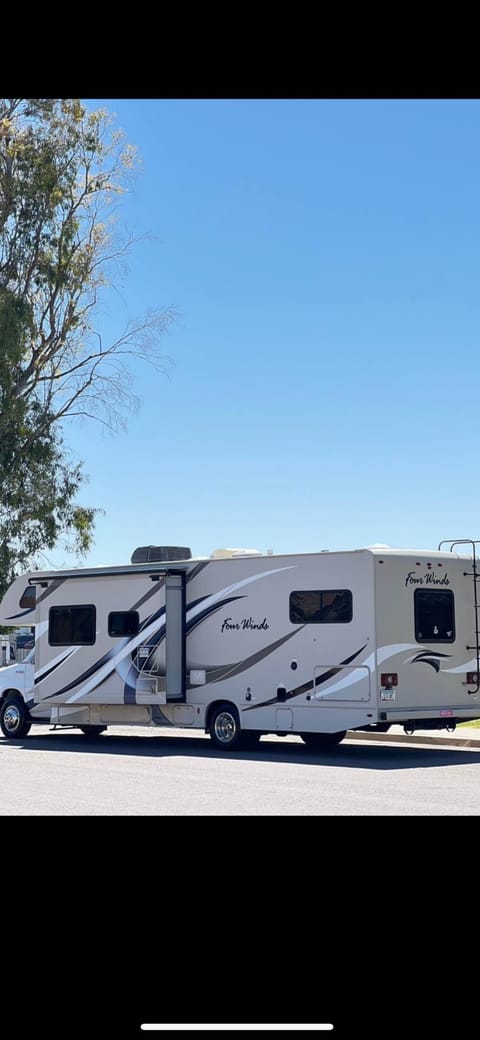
<point x="63" y="172"/>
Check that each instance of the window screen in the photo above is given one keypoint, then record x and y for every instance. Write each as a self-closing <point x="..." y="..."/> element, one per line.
<point x="71" y="626"/>
<point x="434" y="616"/>
<point x="324" y="606"/>
<point x="123" y="623"/>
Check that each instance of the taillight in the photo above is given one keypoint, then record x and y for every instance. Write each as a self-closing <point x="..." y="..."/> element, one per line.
<point x="472" y="678"/>
<point x="389" y="679"/>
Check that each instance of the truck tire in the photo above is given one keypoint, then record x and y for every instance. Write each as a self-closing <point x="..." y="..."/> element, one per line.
<point x="14" y="717"/>
<point x="323" y="740"/>
<point x="92" y="731"/>
<point x="224" y="727"/>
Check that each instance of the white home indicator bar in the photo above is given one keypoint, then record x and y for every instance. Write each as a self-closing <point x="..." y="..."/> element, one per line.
<point x="265" y="1026"/>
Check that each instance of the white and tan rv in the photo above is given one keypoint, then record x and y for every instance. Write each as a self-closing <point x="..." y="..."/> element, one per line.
<point x="241" y="644"/>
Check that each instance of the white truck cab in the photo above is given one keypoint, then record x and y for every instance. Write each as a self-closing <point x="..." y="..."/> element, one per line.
<point x="16" y="682"/>
<point x="18" y="676"/>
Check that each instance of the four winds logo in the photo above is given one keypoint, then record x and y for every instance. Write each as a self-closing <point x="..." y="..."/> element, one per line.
<point x="429" y="578"/>
<point x="228" y="625"/>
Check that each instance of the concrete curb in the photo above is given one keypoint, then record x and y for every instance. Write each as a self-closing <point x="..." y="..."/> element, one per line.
<point x="448" y="739"/>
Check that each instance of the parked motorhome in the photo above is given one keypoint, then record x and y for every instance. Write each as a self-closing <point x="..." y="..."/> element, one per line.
<point x="241" y="644"/>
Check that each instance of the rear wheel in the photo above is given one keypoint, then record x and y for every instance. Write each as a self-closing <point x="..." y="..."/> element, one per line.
<point x="92" y="731"/>
<point x="323" y="740"/>
<point x="14" y="717"/>
<point x="224" y="727"/>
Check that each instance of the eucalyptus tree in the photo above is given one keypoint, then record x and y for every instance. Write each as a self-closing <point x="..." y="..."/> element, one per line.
<point x="63" y="173"/>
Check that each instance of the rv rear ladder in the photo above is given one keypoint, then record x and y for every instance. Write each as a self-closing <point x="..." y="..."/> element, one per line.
<point x="475" y="575"/>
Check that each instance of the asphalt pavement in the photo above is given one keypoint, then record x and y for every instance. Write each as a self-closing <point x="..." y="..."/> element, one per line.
<point x="132" y="771"/>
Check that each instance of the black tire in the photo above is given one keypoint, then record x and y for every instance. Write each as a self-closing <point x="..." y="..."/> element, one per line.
<point x="14" y="717"/>
<point x="92" y="731"/>
<point x="224" y="727"/>
<point x="323" y="740"/>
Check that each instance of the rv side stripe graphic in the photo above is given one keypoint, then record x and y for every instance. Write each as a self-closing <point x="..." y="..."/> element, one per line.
<point x="305" y="687"/>
<point x="45" y="672"/>
<point x="326" y="675"/>
<point x="227" y="671"/>
<point x="54" y="585"/>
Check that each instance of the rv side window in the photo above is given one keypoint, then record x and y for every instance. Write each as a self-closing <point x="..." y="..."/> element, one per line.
<point x="434" y="616"/>
<point x="72" y="626"/>
<point x="123" y="623"/>
<point x="321" y="606"/>
<point x="28" y="597"/>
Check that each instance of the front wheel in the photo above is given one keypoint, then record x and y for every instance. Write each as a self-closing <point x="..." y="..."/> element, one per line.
<point x="92" y="731"/>
<point x="323" y="740"/>
<point x="14" y="717"/>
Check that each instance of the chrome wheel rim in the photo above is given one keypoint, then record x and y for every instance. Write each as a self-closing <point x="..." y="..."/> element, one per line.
<point x="12" y="718"/>
<point x="225" y="727"/>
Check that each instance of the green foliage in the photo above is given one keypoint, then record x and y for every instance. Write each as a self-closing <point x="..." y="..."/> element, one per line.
<point x="62" y="170"/>
<point x="38" y="483"/>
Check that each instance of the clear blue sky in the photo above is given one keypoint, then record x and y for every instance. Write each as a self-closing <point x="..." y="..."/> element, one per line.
<point x="325" y="258"/>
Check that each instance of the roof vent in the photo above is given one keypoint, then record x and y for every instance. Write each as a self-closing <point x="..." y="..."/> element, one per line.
<point x="160" y="553"/>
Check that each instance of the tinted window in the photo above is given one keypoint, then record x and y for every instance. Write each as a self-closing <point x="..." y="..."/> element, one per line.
<point x="434" y="616"/>
<point x="28" y="597"/>
<point x="123" y="623"/>
<point x="315" y="606"/>
<point x="71" y="626"/>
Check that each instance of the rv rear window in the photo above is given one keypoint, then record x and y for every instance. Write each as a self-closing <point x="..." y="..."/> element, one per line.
<point x="315" y="606"/>
<point x="123" y="623"/>
<point x="434" y="616"/>
<point x="28" y="597"/>
<point x="72" y="626"/>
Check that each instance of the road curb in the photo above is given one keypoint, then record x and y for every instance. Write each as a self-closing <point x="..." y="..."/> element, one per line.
<point x="404" y="738"/>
